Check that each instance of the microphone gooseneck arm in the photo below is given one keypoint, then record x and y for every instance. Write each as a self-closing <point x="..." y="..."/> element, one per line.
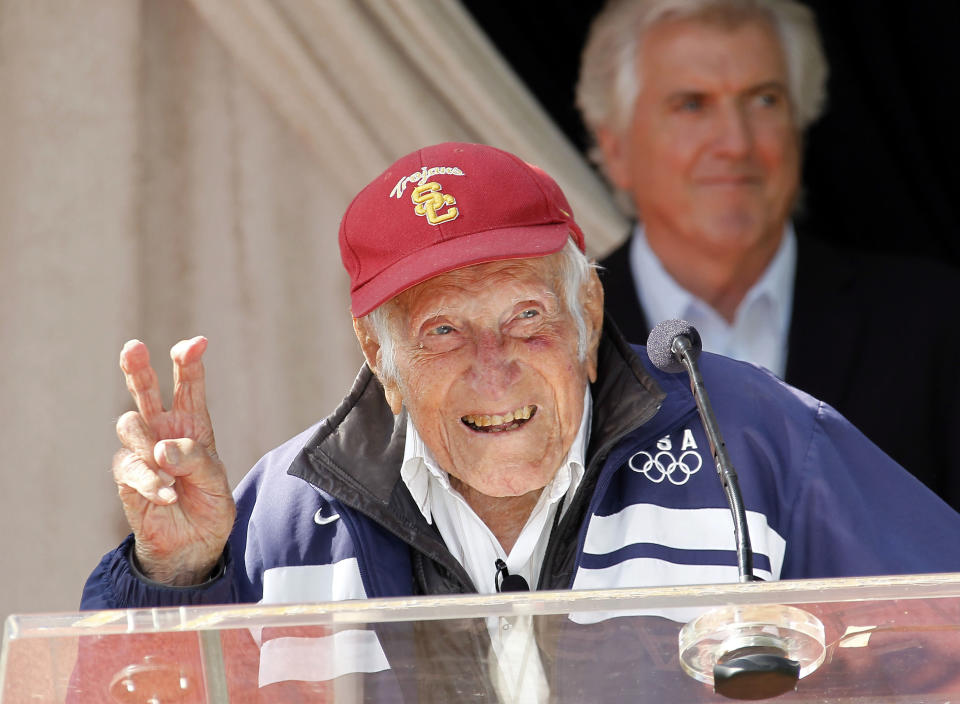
<point x="684" y="351"/>
<point x="750" y="661"/>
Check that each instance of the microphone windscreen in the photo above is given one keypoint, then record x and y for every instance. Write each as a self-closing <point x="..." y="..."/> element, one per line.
<point x="660" y="343"/>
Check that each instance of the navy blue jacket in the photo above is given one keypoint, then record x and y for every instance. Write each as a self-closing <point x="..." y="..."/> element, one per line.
<point x="326" y="516"/>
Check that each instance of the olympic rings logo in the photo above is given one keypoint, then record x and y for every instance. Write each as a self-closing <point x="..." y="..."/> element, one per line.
<point x="663" y="465"/>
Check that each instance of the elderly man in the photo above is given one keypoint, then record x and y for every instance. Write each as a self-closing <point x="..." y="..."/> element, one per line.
<point x="499" y="436"/>
<point x="497" y="431"/>
<point x="698" y="109"/>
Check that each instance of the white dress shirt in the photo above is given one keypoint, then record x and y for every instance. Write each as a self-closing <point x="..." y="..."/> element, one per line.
<point x="761" y="323"/>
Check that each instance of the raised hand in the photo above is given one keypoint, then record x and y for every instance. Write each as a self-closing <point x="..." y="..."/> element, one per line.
<point x="172" y="484"/>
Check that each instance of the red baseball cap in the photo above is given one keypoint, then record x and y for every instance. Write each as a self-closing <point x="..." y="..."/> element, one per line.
<point x="445" y="207"/>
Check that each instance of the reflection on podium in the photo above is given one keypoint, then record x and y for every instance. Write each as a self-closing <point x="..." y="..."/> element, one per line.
<point x="882" y="638"/>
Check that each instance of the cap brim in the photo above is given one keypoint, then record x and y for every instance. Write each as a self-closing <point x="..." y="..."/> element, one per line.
<point x="448" y="255"/>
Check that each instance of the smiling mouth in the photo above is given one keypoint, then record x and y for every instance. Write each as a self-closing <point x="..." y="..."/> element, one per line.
<point x="498" y="423"/>
<point x="730" y="181"/>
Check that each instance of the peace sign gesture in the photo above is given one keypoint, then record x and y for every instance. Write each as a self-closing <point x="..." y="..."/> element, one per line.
<point x="172" y="484"/>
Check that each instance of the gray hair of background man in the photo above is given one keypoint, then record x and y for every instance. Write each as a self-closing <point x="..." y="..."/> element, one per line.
<point x="574" y="270"/>
<point x="610" y="77"/>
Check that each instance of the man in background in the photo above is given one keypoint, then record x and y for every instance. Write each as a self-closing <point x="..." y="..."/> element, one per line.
<point x="698" y="109"/>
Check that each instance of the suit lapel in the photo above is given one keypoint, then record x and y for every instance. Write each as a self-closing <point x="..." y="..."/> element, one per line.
<point x="620" y="295"/>
<point x="825" y="324"/>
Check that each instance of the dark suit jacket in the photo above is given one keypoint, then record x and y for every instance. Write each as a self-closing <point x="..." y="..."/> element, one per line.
<point x="874" y="336"/>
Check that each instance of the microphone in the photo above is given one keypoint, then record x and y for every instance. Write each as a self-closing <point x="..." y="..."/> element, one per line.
<point x="674" y="346"/>
<point x="750" y="663"/>
<point x="506" y="582"/>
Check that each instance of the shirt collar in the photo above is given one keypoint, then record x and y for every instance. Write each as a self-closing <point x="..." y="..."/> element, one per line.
<point x="664" y="299"/>
<point x="776" y="283"/>
<point x="422" y="475"/>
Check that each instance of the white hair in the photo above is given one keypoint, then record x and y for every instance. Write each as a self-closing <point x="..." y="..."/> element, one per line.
<point x="610" y="72"/>
<point x="575" y="270"/>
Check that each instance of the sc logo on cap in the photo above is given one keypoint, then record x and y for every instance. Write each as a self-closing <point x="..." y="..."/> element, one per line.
<point x="430" y="200"/>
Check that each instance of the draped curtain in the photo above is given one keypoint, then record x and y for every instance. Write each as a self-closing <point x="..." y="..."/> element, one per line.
<point x="179" y="167"/>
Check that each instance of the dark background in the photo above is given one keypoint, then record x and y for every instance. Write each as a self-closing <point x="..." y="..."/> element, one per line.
<point x="881" y="167"/>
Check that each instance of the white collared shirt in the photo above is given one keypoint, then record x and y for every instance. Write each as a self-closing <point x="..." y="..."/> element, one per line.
<point x="468" y="538"/>
<point x="761" y="324"/>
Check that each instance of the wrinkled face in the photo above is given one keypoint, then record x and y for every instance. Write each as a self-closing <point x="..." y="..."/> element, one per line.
<point x="712" y="154"/>
<point x="489" y="372"/>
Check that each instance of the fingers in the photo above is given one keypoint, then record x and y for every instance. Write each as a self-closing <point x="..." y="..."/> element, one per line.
<point x="184" y="457"/>
<point x="150" y="460"/>
<point x="141" y="379"/>
<point x="189" y="384"/>
<point x="135" y="435"/>
<point x="132" y="472"/>
<point x="195" y="468"/>
<point x="154" y="476"/>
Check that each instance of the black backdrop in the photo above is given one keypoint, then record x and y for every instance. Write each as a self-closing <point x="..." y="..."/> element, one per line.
<point x="881" y="168"/>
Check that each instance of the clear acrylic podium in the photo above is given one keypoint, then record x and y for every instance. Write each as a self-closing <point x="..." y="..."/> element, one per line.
<point x="885" y="639"/>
